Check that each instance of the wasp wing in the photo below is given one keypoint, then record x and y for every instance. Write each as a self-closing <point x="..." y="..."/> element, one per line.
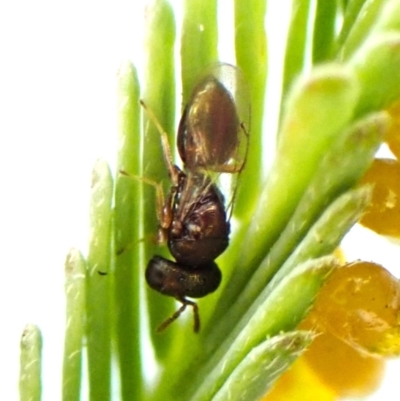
<point x="213" y="133"/>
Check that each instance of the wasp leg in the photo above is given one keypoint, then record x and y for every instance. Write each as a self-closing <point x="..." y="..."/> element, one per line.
<point x="164" y="143"/>
<point x="163" y="210"/>
<point x="185" y="303"/>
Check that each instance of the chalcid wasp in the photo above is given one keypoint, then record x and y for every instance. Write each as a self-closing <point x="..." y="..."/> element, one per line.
<point x="195" y="217"/>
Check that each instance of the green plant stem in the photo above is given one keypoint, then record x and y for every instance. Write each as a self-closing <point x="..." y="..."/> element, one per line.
<point x="75" y="294"/>
<point x="30" y="377"/>
<point x="159" y="96"/>
<point x="127" y="220"/>
<point x="98" y="325"/>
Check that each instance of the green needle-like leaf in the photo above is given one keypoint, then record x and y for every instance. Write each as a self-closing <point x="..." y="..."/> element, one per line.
<point x="281" y="310"/>
<point x="159" y="96"/>
<point x="389" y="18"/>
<point x="262" y="366"/>
<point x="321" y="240"/>
<point x="128" y="268"/>
<point x="128" y="94"/>
<point x="30" y="377"/>
<point x="377" y="65"/>
<point x="344" y="4"/>
<point x="325" y="236"/>
<point x="252" y="60"/>
<point x="98" y="326"/>
<point x="318" y="109"/>
<point x="351" y="13"/>
<point x="363" y="27"/>
<point x="75" y="294"/>
<point x="284" y="229"/>
<point x="324" y="30"/>
<point x="198" y="43"/>
<point x="377" y="16"/>
<point x="336" y="174"/>
<point x="295" y="55"/>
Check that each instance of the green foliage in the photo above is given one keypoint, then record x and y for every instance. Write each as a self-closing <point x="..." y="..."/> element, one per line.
<point x="30" y="385"/>
<point x="126" y="229"/>
<point x="159" y="96"/>
<point x="98" y="295"/>
<point x="75" y="294"/>
<point x="288" y="225"/>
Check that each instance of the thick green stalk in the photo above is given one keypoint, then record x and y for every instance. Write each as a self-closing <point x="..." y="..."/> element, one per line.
<point x="198" y="42"/>
<point x="159" y="96"/>
<point x="128" y="268"/>
<point x="98" y="325"/>
<point x="30" y="376"/>
<point x="253" y="62"/>
<point x="75" y="294"/>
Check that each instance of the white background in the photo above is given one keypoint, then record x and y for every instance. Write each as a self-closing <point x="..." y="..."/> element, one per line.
<point x="58" y="63"/>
